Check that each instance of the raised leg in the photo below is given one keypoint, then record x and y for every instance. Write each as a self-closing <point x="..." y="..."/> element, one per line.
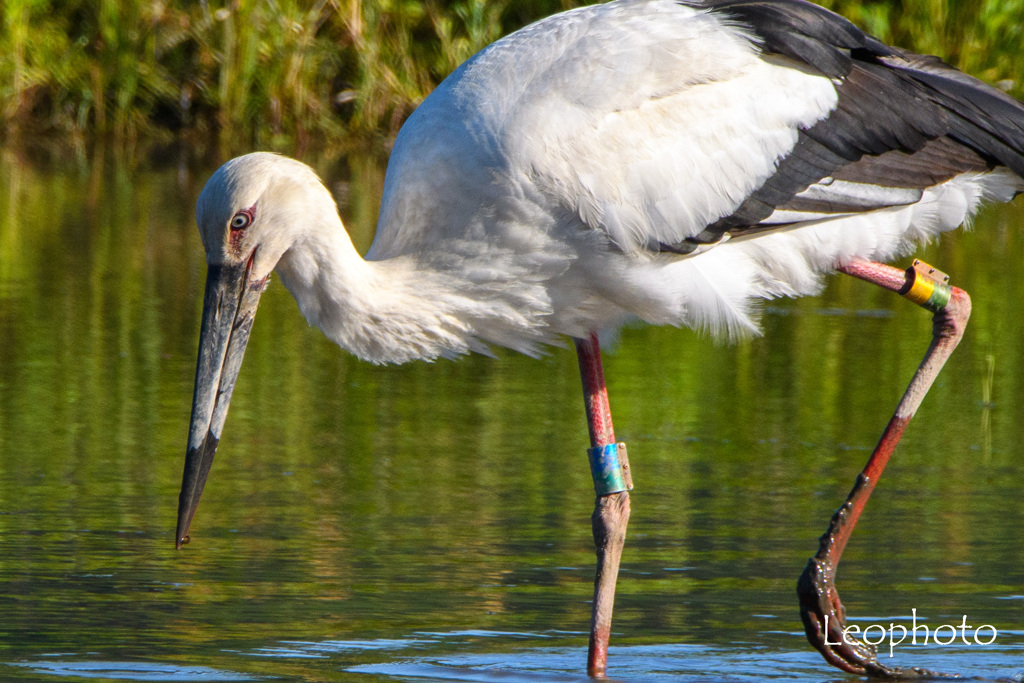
<point x="612" y="482"/>
<point x="820" y="608"/>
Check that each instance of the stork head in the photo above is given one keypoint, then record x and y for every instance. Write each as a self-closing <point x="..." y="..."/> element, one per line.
<point x="249" y="214"/>
<point x="254" y="207"/>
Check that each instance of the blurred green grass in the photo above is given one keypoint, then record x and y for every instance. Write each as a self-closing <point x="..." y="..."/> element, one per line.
<point x="279" y="72"/>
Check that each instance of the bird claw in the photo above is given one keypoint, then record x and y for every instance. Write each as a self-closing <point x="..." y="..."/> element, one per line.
<point x="824" y="620"/>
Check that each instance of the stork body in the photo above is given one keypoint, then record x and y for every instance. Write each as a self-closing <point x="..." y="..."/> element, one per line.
<point x="672" y="162"/>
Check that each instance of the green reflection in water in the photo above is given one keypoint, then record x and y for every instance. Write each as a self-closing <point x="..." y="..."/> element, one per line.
<point x="351" y="502"/>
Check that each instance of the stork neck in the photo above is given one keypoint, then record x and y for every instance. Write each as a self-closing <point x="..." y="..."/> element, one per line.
<point x="388" y="311"/>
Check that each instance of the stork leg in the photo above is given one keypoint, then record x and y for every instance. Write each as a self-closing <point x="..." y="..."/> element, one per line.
<point x="820" y="608"/>
<point x="611" y="507"/>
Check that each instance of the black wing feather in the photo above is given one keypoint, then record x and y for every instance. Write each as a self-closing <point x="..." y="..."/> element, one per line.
<point x="902" y="120"/>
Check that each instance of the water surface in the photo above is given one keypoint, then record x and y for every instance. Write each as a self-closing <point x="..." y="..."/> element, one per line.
<point x="431" y="521"/>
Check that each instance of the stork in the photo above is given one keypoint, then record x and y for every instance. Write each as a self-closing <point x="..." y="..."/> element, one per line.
<point x="668" y="161"/>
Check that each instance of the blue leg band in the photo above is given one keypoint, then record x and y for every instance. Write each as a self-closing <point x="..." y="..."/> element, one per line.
<point x="610" y="468"/>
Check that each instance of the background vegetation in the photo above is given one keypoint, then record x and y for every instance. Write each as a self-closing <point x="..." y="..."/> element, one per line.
<point x="267" y="71"/>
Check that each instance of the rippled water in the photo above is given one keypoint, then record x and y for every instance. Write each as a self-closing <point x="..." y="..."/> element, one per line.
<point x="431" y="521"/>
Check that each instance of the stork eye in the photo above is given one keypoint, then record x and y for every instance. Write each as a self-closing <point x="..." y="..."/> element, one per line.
<point x="240" y="221"/>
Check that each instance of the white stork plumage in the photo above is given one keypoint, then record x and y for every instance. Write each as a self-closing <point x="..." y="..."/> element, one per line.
<point x="672" y="161"/>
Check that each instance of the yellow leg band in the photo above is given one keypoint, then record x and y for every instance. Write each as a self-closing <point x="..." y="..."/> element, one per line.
<point x="929" y="287"/>
<point x="921" y="290"/>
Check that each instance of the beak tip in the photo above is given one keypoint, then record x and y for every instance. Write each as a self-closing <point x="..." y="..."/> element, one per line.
<point x="197" y="467"/>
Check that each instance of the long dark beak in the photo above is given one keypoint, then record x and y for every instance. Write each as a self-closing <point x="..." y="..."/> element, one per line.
<point x="229" y="307"/>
